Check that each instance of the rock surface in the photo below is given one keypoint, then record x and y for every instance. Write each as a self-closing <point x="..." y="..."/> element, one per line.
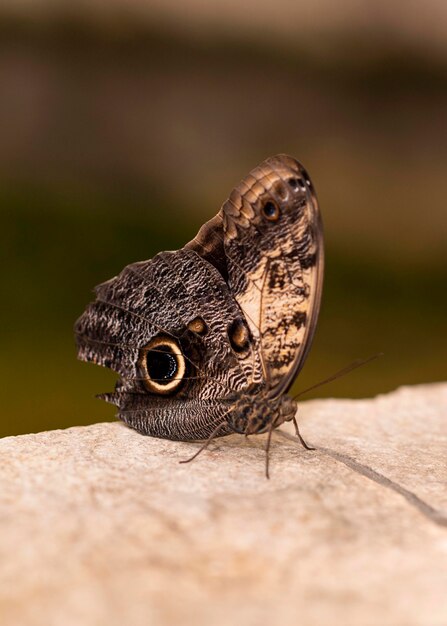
<point x="101" y="526"/>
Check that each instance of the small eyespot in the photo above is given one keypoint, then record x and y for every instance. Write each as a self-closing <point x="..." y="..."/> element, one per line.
<point x="239" y="335"/>
<point x="270" y="211"/>
<point x="296" y="183"/>
<point x="162" y="365"/>
<point x="198" y="326"/>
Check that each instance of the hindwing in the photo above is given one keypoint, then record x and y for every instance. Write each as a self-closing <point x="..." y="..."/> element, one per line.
<point x="182" y="299"/>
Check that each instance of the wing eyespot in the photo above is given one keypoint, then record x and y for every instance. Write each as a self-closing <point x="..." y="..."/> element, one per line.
<point x="296" y="183"/>
<point x="239" y="336"/>
<point x="271" y="211"/>
<point x="162" y="365"/>
<point x="293" y="183"/>
<point x="198" y="326"/>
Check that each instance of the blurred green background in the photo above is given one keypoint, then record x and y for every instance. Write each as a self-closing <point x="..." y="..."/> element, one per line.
<point x="125" y="125"/>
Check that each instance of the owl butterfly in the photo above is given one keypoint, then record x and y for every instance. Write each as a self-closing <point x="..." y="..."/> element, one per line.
<point x="207" y="340"/>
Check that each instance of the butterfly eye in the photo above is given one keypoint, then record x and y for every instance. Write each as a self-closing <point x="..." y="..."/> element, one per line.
<point x="270" y="211"/>
<point x="162" y="365"/>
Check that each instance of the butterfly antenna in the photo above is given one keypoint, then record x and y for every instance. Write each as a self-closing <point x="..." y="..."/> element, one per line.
<point x="353" y="366"/>
<point x="207" y="442"/>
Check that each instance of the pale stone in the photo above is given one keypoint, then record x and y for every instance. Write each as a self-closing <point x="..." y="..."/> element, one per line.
<point x="102" y="526"/>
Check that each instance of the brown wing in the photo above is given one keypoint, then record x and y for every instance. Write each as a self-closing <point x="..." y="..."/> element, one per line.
<point x="267" y="242"/>
<point x="179" y="306"/>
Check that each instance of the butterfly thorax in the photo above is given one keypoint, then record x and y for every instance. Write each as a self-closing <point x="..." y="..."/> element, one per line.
<point x="254" y="414"/>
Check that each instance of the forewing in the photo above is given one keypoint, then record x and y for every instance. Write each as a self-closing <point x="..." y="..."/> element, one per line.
<point x="267" y="241"/>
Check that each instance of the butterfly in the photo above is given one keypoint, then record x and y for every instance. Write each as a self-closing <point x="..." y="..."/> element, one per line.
<point x="207" y="340"/>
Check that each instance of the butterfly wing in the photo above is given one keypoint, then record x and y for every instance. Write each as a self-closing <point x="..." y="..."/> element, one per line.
<point x="267" y="241"/>
<point x="234" y="311"/>
<point x="163" y="326"/>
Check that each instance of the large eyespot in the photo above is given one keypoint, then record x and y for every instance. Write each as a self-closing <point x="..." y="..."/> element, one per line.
<point x="162" y="365"/>
<point x="270" y="211"/>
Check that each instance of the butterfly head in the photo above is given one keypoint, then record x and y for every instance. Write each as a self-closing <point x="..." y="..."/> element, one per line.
<point x="255" y="414"/>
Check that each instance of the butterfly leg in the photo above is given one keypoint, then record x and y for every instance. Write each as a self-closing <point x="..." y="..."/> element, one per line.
<point x="298" y="434"/>
<point x="207" y="442"/>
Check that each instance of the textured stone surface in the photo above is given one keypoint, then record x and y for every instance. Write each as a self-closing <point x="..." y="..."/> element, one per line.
<point x="100" y="525"/>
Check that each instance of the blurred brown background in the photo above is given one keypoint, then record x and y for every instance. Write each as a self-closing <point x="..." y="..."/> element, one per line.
<point x="125" y="124"/>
